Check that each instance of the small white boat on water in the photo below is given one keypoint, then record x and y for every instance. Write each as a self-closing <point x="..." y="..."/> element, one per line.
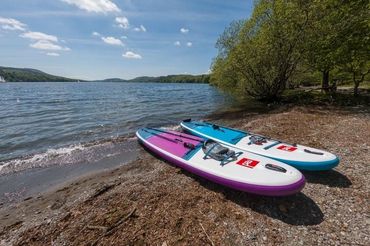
<point x="2" y="80"/>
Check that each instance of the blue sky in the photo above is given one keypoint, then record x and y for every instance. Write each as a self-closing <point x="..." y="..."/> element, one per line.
<point x="96" y="39"/>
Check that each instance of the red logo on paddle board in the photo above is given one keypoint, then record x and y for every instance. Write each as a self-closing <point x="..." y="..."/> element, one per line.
<point x="245" y="162"/>
<point x="287" y="148"/>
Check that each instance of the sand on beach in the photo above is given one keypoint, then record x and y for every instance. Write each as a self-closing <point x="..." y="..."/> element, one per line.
<point x="152" y="202"/>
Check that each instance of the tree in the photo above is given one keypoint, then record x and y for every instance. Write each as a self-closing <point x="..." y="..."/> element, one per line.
<point x="335" y="31"/>
<point x="355" y="51"/>
<point x="262" y="56"/>
<point x="287" y="39"/>
<point x="222" y="74"/>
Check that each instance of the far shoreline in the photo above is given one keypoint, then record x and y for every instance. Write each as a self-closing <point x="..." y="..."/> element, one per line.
<point x="10" y="75"/>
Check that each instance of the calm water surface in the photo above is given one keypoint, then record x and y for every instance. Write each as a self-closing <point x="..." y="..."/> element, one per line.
<point x="37" y="117"/>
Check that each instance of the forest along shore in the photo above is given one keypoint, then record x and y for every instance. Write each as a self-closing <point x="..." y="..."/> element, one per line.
<point x="151" y="202"/>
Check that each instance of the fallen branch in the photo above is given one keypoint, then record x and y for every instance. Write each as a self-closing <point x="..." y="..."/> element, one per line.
<point x="114" y="227"/>
<point x="91" y="227"/>
<point x="102" y="190"/>
<point x="209" y="239"/>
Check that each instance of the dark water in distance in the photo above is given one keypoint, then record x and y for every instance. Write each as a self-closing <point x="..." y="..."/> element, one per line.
<point x="37" y="117"/>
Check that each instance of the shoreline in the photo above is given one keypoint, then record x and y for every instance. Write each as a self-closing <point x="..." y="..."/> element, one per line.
<point x="42" y="173"/>
<point x="158" y="203"/>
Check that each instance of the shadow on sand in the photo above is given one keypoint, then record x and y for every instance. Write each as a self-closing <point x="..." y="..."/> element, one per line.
<point x="330" y="178"/>
<point x="296" y="209"/>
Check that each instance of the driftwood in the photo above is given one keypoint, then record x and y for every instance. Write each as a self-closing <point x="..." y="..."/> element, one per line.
<point x="110" y="230"/>
<point x="209" y="239"/>
<point x="101" y="191"/>
<point x="92" y="227"/>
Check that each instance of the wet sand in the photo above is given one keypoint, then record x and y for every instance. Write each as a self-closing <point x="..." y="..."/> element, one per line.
<point x="152" y="202"/>
<point x="30" y="176"/>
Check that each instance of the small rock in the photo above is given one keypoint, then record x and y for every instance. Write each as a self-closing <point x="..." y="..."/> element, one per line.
<point x="283" y="208"/>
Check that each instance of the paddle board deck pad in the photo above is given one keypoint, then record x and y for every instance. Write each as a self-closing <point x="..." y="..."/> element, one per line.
<point x="298" y="156"/>
<point x="230" y="167"/>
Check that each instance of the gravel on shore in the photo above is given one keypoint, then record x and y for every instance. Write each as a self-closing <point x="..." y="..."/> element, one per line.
<point x="150" y="202"/>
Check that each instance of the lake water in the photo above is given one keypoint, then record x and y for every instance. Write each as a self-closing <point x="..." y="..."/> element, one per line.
<point x="40" y="121"/>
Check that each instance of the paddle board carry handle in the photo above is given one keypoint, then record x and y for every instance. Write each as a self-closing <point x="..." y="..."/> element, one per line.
<point x="230" y="158"/>
<point x="256" y="139"/>
<point x="313" y="152"/>
<point x="209" y="151"/>
<point x="259" y="140"/>
<point x="275" y="168"/>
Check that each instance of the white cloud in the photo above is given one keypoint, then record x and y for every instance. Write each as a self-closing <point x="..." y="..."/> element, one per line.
<point x="47" y="45"/>
<point x="177" y="43"/>
<point x="123" y="22"/>
<point x="131" y="55"/>
<point x="52" y="54"/>
<point x="123" y="37"/>
<point x="44" y="42"/>
<point x="184" y="30"/>
<point x="112" y="41"/>
<point x="12" y="24"/>
<point x="96" y="34"/>
<point x="39" y="36"/>
<point x="97" y="6"/>
<point x="140" y="29"/>
<point x="189" y="44"/>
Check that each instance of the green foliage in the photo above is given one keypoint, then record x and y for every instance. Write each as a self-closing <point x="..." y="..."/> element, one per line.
<point x="29" y="75"/>
<point x="356" y="47"/>
<point x="338" y="36"/>
<point x="262" y="57"/>
<point x="182" y="78"/>
<point x="290" y="43"/>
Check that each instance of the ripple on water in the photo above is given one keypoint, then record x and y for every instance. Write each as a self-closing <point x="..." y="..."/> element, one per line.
<point x="45" y="124"/>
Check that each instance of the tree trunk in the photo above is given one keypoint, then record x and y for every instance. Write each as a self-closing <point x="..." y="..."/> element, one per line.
<point x="357" y="82"/>
<point x="325" y="80"/>
<point x="355" y="88"/>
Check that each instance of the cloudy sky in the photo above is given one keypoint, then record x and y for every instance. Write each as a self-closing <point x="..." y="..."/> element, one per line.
<point x="96" y="39"/>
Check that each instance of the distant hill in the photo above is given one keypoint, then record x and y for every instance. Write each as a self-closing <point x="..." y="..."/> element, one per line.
<point x="113" y="80"/>
<point x="11" y="74"/>
<point x="30" y="75"/>
<point x="181" y="78"/>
